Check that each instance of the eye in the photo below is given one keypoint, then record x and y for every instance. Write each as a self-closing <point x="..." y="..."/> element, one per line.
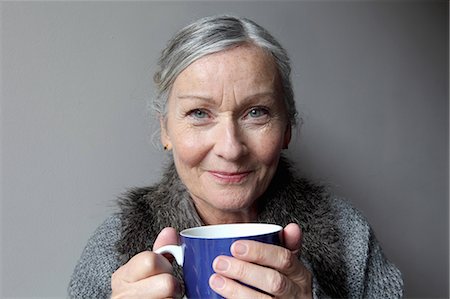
<point x="198" y="113"/>
<point x="257" y="112"/>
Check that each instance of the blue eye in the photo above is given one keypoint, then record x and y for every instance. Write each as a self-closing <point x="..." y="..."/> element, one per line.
<point x="198" y="113"/>
<point x="257" y="112"/>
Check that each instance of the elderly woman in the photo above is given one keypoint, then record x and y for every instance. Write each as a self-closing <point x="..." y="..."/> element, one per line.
<point x="226" y="111"/>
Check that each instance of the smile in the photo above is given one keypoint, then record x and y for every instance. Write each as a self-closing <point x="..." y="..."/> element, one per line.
<point x="230" y="177"/>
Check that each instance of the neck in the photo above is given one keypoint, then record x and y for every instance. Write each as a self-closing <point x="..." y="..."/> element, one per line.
<point x="211" y="216"/>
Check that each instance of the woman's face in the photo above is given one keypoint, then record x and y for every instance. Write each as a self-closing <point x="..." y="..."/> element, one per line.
<point x="226" y="124"/>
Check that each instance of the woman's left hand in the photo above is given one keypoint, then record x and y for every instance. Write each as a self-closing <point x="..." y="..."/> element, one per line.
<point x="273" y="269"/>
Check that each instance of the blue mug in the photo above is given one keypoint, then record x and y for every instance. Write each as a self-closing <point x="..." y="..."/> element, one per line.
<point x="201" y="245"/>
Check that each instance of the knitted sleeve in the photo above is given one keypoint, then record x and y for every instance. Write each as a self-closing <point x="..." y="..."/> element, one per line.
<point x="369" y="273"/>
<point x="382" y="278"/>
<point x="92" y="275"/>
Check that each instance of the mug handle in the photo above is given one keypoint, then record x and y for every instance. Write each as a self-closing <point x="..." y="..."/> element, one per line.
<point x="177" y="251"/>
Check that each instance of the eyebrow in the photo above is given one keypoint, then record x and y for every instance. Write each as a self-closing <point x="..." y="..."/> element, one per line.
<point x="194" y="97"/>
<point x="210" y="99"/>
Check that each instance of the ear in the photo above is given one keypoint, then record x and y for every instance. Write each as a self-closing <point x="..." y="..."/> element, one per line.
<point x="165" y="139"/>
<point x="287" y="136"/>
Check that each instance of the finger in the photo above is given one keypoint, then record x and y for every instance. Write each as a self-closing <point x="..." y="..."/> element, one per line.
<point x="158" y="286"/>
<point x="276" y="257"/>
<point x="228" y="288"/>
<point x="141" y="266"/>
<point x="168" y="236"/>
<point x="263" y="278"/>
<point x="292" y="236"/>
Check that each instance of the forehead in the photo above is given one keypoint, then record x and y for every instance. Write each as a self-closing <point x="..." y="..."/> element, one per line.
<point x="244" y="66"/>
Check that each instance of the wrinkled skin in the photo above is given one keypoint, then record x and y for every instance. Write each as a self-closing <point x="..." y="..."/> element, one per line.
<point x="273" y="269"/>
<point x="226" y="125"/>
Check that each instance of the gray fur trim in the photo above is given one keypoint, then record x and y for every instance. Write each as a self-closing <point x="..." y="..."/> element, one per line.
<point x="146" y="211"/>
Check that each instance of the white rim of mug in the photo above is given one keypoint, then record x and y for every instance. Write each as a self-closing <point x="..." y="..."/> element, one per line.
<point x="240" y="230"/>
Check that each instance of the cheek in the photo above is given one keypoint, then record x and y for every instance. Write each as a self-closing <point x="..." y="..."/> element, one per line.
<point x="268" y="147"/>
<point x="189" y="149"/>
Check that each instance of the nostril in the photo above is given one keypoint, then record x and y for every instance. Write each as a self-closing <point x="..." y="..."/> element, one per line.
<point x="230" y="143"/>
<point x="230" y="148"/>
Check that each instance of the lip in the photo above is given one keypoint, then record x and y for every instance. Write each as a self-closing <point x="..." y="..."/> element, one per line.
<point x="229" y="177"/>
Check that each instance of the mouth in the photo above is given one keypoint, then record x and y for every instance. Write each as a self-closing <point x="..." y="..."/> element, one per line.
<point x="230" y="177"/>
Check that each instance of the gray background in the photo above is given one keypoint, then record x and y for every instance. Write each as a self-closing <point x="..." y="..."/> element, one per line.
<point x="371" y="83"/>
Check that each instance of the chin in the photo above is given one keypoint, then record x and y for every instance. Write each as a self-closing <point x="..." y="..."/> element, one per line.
<point x="232" y="202"/>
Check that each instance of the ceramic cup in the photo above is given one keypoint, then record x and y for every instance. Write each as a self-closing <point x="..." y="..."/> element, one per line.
<point x="201" y="245"/>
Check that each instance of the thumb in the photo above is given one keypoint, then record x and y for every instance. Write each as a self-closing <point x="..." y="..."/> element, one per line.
<point x="292" y="236"/>
<point x="168" y="236"/>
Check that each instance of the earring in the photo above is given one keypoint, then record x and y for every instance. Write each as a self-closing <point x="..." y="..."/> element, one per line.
<point x="165" y="147"/>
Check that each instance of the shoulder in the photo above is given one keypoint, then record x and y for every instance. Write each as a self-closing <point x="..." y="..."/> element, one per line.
<point x="369" y="273"/>
<point x="348" y="218"/>
<point x="104" y="237"/>
<point x="91" y="277"/>
<point x="354" y="234"/>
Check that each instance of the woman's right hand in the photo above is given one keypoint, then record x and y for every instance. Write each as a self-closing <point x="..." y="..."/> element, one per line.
<point x="147" y="274"/>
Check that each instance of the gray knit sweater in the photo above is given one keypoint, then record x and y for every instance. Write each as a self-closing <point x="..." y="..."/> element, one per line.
<point x="339" y="247"/>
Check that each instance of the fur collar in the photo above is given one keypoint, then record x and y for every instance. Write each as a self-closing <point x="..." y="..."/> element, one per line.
<point x="146" y="211"/>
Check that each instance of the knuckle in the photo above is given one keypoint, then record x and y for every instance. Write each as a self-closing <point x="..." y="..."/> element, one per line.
<point x="260" y="253"/>
<point x="305" y="277"/>
<point x="116" y="280"/>
<point x="279" y="284"/>
<point x="287" y="260"/>
<point x="122" y="295"/>
<point x="148" y="259"/>
<point x="119" y="287"/>
<point x="169" y="285"/>
<point x="234" y="293"/>
<point x="240" y="270"/>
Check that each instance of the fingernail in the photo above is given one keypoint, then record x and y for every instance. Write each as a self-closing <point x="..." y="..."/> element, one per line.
<point x="217" y="282"/>
<point x="239" y="248"/>
<point x="221" y="265"/>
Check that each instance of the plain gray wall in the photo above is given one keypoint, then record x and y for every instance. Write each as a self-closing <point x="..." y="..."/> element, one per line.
<point x="371" y="83"/>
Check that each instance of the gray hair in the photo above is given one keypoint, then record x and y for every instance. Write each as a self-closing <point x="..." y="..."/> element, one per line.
<point x="211" y="35"/>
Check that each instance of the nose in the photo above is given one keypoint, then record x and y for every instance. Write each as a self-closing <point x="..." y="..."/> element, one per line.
<point x="229" y="141"/>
